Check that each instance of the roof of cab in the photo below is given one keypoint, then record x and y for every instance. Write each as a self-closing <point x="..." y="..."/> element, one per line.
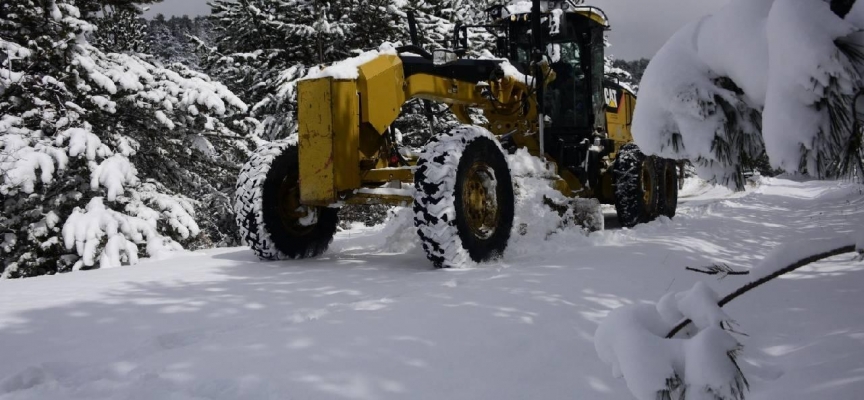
<point x="522" y="9"/>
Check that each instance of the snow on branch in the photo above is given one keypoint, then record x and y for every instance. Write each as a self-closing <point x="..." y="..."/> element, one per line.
<point x="114" y="174"/>
<point x="631" y="340"/>
<point x="83" y="142"/>
<point x="23" y="165"/>
<point x="177" y="211"/>
<point x="86" y="122"/>
<point x="97" y="232"/>
<point x="787" y="258"/>
<point x="639" y="341"/>
<point x="773" y="77"/>
<point x="13" y="52"/>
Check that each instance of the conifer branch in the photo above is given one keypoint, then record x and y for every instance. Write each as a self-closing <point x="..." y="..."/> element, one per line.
<point x="754" y="284"/>
<point x="718" y="269"/>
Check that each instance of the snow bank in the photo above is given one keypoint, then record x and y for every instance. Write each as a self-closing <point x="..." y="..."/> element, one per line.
<point x="631" y="341"/>
<point x="755" y="72"/>
<point x="540" y="209"/>
<point x="793" y="251"/>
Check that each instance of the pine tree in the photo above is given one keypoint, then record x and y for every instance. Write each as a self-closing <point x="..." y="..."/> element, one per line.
<point x="635" y="69"/>
<point x="101" y="153"/>
<point x="121" y="31"/>
<point x="163" y="43"/>
<point x="621" y="76"/>
<point x="264" y="46"/>
<point x="725" y="121"/>
<point x="177" y="40"/>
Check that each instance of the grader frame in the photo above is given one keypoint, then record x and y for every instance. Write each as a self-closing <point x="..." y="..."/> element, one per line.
<point x="343" y="123"/>
<point x="546" y="94"/>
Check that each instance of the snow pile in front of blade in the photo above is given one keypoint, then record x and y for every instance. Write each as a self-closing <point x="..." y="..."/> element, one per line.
<point x="751" y="77"/>
<point x="632" y="341"/>
<point x="542" y="211"/>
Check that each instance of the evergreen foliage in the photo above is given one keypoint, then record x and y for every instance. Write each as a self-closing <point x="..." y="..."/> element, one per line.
<point x="176" y="39"/>
<point x="121" y="31"/>
<point x="775" y="102"/>
<point x="263" y="47"/>
<point x="105" y="156"/>
<point x="636" y="68"/>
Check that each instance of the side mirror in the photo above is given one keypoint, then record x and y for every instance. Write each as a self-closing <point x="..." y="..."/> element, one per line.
<point x="443" y="57"/>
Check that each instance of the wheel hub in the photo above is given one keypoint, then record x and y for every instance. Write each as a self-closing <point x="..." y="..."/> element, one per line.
<point x="296" y="218"/>
<point x="479" y="200"/>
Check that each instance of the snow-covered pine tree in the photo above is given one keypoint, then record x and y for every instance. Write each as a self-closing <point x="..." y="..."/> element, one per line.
<point x="434" y="23"/>
<point x="121" y="30"/>
<point x="436" y="20"/>
<point x="177" y="39"/>
<point x="264" y="46"/>
<point x="636" y="68"/>
<point x="94" y="146"/>
<point x="163" y="44"/>
<point x="619" y="75"/>
<point x="764" y="77"/>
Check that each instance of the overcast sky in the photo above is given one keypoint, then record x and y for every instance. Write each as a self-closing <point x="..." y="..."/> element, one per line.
<point x="639" y="27"/>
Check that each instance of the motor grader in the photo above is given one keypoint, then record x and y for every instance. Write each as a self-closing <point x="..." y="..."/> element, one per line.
<point x="546" y="92"/>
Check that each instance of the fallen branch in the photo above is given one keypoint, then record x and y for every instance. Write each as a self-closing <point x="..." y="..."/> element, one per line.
<point x="752" y="285"/>
<point x="715" y="269"/>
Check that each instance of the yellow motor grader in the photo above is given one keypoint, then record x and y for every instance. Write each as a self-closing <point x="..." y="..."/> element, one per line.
<point x="546" y="93"/>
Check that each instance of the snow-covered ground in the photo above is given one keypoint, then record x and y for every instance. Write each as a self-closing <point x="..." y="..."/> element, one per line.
<point x="371" y="320"/>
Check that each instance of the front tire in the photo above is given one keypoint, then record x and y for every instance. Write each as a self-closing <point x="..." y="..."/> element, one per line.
<point x="636" y="186"/>
<point x="267" y="205"/>
<point x="464" y="201"/>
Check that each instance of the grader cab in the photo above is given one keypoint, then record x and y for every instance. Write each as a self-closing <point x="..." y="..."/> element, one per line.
<point x="546" y="92"/>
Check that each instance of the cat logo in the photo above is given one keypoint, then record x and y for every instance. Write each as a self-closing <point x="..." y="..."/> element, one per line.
<point x="611" y="95"/>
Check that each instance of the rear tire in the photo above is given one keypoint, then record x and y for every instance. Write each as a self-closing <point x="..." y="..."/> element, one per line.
<point x="464" y="201"/>
<point x="267" y="205"/>
<point x="667" y="201"/>
<point x="636" y="186"/>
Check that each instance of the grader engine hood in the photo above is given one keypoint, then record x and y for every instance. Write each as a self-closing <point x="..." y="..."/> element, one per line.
<point x="333" y="125"/>
<point x="345" y="110"/>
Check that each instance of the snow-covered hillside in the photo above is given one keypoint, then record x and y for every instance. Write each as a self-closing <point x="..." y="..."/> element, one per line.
<point x="372" y="320"/>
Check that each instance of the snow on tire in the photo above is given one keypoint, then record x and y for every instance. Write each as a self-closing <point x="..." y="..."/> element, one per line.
<point x="464" y="165"/>
<point x="259" y="197"/>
